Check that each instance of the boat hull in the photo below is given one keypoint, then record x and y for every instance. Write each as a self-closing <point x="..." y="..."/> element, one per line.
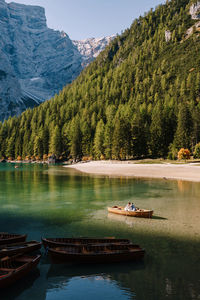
<point x="58" y="242"/>
<point x="142" y="213"/>
<point x="115" y="257"/>
<point x="27" y="265"/>
<point x="6" y="238"/>
<point x="19" y="248"/>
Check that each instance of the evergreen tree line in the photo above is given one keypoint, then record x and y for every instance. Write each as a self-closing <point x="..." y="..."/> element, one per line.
<point x="139" y="98"/>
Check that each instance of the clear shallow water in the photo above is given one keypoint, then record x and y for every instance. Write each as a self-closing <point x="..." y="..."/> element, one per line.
<point x="55" y="201"/>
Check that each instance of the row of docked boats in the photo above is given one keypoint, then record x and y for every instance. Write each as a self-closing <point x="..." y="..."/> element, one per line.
<point x="15" y="261"/>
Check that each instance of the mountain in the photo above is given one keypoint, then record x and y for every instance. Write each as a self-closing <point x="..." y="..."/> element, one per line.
<point x="36" y="62"/>
<point x="140" y="97"/>
<point x="91" y="48"/>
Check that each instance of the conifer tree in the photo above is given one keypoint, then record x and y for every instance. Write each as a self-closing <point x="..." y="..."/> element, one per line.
<point x="55" y="146"/>
<point x="99" y="140"/>
<point x="26" y="140"/>
<point x="38" y="147"/>
<point x="108" y="134"/>
<point x="139" y="135"/>
<point x="157" y="131"/>
<point x="10" y="150"/>
<point x="86" y="139"/>
<point x="121" y="144"/>
<point x="45" y="140"/>
<point x="76" y="140"/>
<point x="182" y="137"/>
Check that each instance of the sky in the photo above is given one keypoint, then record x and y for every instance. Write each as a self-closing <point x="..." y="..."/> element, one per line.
<point x="82" y="19"/>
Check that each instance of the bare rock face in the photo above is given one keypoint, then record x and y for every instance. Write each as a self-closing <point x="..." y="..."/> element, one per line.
<point x="195" y="15"/>
<point x="195" y="11"/>
<point x="10" y="91"/>
<point x="190" y="31"/>
<point x="36" y="62"/>
<point x="168" y="35"/>
<point x="91" y="47"/>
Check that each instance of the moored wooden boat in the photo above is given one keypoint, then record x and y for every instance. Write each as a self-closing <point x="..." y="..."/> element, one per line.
<point x="7" y="238"/>
<point x="107" y="253"/>
<point x="57" y="242"/>
<point x="15" y="268"/>
<point x="140" y="213"/>
<point x="17" y="248"/>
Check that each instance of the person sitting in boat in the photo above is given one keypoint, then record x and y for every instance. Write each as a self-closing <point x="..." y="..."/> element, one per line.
<point x="128" y="207"/>
<point x="133" y="208"/>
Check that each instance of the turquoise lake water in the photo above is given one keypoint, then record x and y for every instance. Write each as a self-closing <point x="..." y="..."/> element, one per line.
<point x="56" y="201"/>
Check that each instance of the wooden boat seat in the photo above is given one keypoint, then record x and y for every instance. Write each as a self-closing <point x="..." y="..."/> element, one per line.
<point x="21" y="260"/>
<point x="4" y="258"/>
<point x="7" y="269"/>
<point x="85" y="251"/>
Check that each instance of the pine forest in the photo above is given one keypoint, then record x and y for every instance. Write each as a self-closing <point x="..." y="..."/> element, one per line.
<point x="139" y="98"/>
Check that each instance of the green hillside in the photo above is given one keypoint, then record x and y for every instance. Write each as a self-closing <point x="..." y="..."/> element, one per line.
<point x="139" y="98"/>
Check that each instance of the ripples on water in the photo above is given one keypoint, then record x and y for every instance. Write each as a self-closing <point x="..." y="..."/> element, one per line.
<point x="54" y="201"/>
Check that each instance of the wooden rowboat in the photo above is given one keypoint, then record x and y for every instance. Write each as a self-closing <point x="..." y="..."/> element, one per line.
<point x="97" y="253"/>
<point x="7" y="238"/>
<point x="140" y="213"/>
<point x="19" y="248"/>
<point x="15" y="268"/>
<point x="58" y="242"/>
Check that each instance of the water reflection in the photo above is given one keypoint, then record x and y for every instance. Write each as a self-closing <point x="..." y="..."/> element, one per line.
<point x="95" y="277"/>
<point x="171" y="273"/>
<point x="21" y="287"/>
<point x="53" y="201"/>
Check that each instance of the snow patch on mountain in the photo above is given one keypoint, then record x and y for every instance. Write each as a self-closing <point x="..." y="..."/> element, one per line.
<point x="91" y="47"/>
<point x="36" y="62"/>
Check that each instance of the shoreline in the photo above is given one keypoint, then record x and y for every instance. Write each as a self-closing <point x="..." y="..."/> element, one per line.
<point x="185" y="172"/>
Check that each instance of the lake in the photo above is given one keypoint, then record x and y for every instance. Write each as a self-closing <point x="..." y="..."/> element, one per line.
<point x="55" y="201"/>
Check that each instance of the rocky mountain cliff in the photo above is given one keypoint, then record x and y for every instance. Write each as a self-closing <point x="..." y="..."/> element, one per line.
<point x="195" y="10"/>
<point x="35" y="61"/>
<point x="90" y="48"/>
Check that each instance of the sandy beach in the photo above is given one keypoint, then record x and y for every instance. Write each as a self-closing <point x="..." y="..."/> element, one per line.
<point x="187" y="172"/>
